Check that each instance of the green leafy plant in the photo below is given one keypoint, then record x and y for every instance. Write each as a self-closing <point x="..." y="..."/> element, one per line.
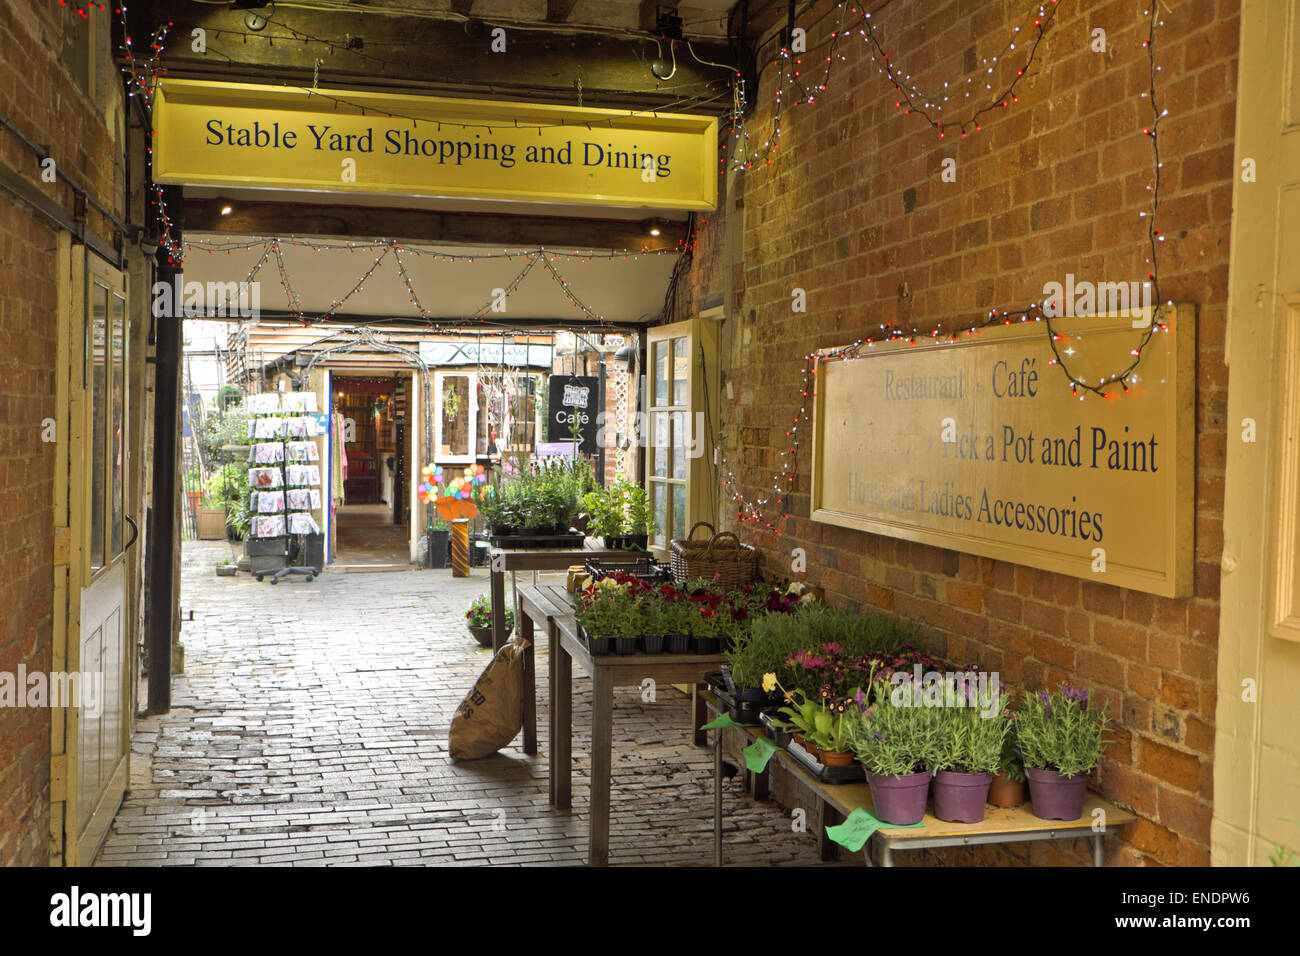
<point x="621" y="510"/>
<point x="1061" y="731"/>
<point x="228" y="489"/>
<point x="1010" y="762"/>
<point x="537" y="496"/>
<point x="970" y="737"/>
<point x="609" y="612"/>
<point x="604" y="512"/>
<point x="480" y="614"/>
<point x="833" y="727"/>
<point x="764" y="648"/>
<point x="894" y="740"/>
<point x="657" y="614"/>
<point x="856" y="632"/>
<point x="639" y="518"/>
<point x="799" y="713"/>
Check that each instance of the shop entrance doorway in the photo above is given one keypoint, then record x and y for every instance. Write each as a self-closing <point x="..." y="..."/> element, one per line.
<point x="372" y="512"/>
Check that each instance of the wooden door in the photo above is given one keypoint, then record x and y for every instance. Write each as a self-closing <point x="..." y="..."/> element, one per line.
<point x="1256" y="751"/>
<point x="91" y="731"/>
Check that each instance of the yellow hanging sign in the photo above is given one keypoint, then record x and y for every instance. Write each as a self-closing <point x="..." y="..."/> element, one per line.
<point x="275" y="137"/>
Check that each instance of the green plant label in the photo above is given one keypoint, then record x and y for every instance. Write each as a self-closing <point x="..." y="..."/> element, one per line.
<point x="854" y="832"/>
<point x="721" y="721"/>
<point x="759" y="753"/>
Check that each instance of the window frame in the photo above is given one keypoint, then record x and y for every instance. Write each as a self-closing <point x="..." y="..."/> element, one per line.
<point x="105" y="492"/>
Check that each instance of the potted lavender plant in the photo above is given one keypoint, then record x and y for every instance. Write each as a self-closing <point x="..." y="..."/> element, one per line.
<point x="1060" y="737"/>
<point x="972" y="728"/>
<point x="895" y="742"/>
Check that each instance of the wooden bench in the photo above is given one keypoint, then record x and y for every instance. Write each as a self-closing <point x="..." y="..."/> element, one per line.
<point x="1000" y="825"/>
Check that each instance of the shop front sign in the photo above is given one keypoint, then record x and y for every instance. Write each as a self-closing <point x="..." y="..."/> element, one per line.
<point x="219" y="134"/>
<point x="982" y="446"/>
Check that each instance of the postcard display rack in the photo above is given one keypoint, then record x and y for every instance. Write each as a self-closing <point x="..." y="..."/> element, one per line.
<point x="284" y="478"/>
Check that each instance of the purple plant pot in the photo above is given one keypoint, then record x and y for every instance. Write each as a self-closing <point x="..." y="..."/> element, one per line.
<point x="960" y="797"/>
<point x="1054" y="796"/>
<point x="900" y="800"/>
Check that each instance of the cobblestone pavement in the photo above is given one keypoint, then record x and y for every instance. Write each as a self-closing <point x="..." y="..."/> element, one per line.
<point x="310" y="729"/>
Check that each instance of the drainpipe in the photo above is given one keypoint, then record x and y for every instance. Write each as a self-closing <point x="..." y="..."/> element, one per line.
<point x="600" y="415"/>
<point x="159" y="613"/>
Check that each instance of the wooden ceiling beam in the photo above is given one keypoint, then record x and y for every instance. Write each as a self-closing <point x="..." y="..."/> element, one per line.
<point x="456" y="228"/>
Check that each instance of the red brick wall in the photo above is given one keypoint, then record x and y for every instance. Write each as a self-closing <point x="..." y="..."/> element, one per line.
<point x="1052" y="184"/>
<point x="38" y="94"/>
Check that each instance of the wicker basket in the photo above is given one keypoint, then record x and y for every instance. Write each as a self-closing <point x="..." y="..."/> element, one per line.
<point x="721" y="557"/>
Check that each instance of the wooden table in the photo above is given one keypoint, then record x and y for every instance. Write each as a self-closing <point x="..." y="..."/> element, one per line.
<point x="501" y="560"/>
<point x="552" y="605"/>
<point x="1000" y="825"/>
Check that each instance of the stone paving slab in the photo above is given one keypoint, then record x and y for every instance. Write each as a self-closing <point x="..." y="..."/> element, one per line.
<point x="310" y="729"/>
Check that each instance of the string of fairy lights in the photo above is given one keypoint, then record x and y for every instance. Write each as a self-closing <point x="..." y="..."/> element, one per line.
<point x="142" y="81"/>
<point x="144" y="77"/>
<point x="755" y="510"/>
<point x="791" y="88"/>
<point x="273" y="248"/>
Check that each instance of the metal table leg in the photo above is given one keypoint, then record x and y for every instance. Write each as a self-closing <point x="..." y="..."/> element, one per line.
<point x="1098" y="850"/>
<point x="886" y="854"/>
<point x="717" y="797"/>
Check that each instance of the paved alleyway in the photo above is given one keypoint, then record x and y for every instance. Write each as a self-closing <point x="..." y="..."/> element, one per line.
<point x="310" y="728"/>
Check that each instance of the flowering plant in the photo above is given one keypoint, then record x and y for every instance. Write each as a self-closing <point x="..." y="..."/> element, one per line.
<point x="480" y="614"/>
<point x="1061" y="731"/>
<point x="826" y="721"/>
<point x="970" y="736"/>
<point x="894" y="740"/>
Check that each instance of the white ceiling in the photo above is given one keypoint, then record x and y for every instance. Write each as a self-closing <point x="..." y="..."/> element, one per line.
<point x="620" y="289"/>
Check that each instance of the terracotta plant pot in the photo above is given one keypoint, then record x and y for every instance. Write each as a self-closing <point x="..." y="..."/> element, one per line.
<point x="835" y="758"/>
<point x="960" y="797"/>
<point x="1005" y="792"/>
<point x="1055" y="796"/>
<point x="899" y="800"/>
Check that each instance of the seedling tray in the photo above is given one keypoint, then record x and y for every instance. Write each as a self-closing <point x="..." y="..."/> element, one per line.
<point x="527" y="542"/>
<point x="853" y="773"/>
<point x="742" y="712"/>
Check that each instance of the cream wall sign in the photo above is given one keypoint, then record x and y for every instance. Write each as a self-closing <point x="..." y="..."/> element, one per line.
<point x="237" y="134"/>
<point x="980" y="446"/>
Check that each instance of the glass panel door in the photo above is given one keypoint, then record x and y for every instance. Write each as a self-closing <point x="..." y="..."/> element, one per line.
<point x="669" y="409"/>
<point x="99" y="402"/>
<point x="117" y="425"/>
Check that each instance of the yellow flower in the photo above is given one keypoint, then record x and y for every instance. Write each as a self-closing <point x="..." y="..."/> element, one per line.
<point x="769" y="682"/>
